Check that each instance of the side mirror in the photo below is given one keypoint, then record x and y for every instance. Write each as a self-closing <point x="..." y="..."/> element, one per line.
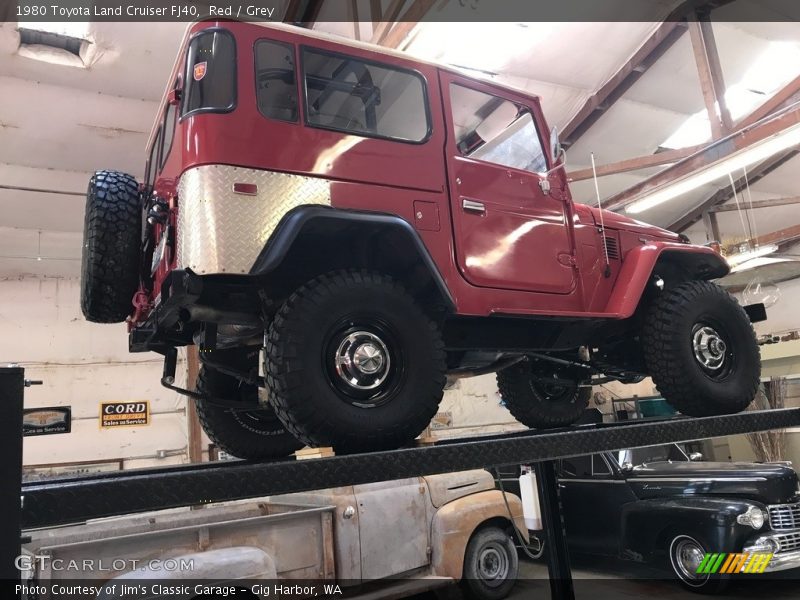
<point x="555" y="145"/>
<point x="695" y="456"/>
<point x="626" y="467"/>
<point x="174" y="97"/>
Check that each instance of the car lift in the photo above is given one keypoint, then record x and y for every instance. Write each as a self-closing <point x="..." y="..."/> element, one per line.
<point x="72" y="499"/>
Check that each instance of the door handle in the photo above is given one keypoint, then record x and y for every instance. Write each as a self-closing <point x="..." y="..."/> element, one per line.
<point x="473" y="206"/>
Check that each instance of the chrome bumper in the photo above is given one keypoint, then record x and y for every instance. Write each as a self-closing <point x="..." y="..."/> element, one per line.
<point x="784" y="560"/>
<point x="787" y="556"/>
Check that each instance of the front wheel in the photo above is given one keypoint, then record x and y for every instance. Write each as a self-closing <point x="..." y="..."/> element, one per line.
<point x="539" y="399"/>
<point x="491" y="564"/>
<point x="686" y="555"/>
<point x="700" y="348"/>
<point x="354" y="363"/>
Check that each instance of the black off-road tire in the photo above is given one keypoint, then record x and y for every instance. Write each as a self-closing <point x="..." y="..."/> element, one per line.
<point x="529" y="403"/>
<point x="253" y="434"/>
<point x="487" y="544"/>
<point x="311" y="396"/>
<point x="667" y="340"/>
<point x="110" y="258"/>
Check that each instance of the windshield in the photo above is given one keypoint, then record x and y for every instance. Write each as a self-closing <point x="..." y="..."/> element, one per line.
<point x="652" y="454"/>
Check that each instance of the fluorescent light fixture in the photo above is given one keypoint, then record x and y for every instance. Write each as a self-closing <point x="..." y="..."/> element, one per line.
<point x="73" y="29"/>
<point x="744" y="158"/>
<point x="761" y="261"/>
<point x="741" y="258"/>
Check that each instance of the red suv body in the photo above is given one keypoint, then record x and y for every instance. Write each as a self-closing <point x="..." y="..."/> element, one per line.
<point x="281" y="157"/>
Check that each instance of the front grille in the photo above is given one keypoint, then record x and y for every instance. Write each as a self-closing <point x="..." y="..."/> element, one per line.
<point x="612" y="247"/>
<point x="784" y="516"/>
<point x="789" y="541"/>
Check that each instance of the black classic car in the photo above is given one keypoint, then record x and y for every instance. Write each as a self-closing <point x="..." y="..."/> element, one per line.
<point x="649" y="503"/>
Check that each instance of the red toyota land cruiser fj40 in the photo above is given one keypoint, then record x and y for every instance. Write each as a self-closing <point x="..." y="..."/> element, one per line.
<point x="378" y="224"/>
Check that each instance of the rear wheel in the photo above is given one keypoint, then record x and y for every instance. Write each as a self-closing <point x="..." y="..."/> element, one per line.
<point x="701" y="350"/>
<point x="539" y="399"/>
<point x="491" y="564"/>
<point x="110" y="258"/>
<point x="354" y="363"/>
<point x="252" y="432"/>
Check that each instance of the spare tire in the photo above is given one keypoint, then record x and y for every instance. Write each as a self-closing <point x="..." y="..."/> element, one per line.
<point x="112" y="234"/>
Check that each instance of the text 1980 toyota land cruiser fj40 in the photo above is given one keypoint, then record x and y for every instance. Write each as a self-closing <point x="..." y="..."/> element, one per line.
<point x="378" y="224"/>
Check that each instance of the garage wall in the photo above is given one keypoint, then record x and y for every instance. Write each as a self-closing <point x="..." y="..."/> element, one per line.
<point x="83" y="364"/>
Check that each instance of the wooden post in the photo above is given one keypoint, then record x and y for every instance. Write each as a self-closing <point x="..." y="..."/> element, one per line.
<point x="195" y="431"/>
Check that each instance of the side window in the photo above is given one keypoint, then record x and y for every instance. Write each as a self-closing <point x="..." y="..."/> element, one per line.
<point x="599" y="466"/>
<point x="276" y="88"/>
<point x="170" y="117"/>
<point x="210" y="78"/>
<point x="495" y="130"/>
<point x="577" y="467"/>
<point x="152" y="161"/>
<point x="363" y="98"/>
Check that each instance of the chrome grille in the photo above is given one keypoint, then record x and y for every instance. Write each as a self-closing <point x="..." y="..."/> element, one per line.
<point x="784" y="516"/>
<point x="789" y="541"/>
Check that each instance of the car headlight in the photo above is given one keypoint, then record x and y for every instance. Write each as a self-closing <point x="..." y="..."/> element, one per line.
<point x="754" y="517"/>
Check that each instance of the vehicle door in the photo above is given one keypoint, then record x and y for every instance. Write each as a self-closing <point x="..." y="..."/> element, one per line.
<point x="393" y="526"/>
<point x="592" y="496"/>
<point x="511" y="232"/>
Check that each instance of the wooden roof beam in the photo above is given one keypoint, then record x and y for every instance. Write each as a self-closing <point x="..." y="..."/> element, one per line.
<point x="634" y="164"/>
<point x="721" y="196"/>
<point x="770" y="203"/>
<point x="786" y="95"/>
<point x="711" y="154"/>
<point x="709" y="71"/>
<point x="653" y="48"/>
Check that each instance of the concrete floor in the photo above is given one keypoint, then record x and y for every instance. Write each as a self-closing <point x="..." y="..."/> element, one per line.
<point x="606" y="579"/>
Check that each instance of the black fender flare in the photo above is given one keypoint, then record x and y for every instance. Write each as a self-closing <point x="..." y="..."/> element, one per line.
<point x="315" y="220"/>
<point x="647" y="524"/>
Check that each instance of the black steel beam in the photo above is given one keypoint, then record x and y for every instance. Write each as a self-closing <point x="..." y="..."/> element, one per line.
<point x="75" y="499"/>
<point x="558" y="567"/>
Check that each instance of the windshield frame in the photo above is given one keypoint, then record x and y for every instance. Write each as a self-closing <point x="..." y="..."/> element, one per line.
<point x="617" y="456"/>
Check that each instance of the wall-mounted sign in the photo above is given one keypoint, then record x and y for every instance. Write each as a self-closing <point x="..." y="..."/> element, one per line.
<point x="47" y="420"/>
<point x="124" y="414"/>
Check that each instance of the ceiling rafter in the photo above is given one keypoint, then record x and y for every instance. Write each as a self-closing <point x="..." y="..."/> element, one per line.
<point x="726" y="193"/>
<point x="635" y="164"/>
<point x="785" y="96"/>
<point x="653" y="48"/>
<point x="303" y="12"/>
<point x="769" y="203"/>
<point x="709" y="71"/>
<point x="399" y="32"/>
<point x="712" y="153"/>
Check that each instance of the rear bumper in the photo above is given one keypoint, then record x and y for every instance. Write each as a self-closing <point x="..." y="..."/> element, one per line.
<point x="187" y="303"/>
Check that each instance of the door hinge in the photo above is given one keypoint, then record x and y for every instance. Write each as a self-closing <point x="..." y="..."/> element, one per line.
<point x="544" y="184"/>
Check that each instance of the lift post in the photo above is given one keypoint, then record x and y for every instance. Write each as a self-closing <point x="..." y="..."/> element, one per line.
<point x="12" y="386"/>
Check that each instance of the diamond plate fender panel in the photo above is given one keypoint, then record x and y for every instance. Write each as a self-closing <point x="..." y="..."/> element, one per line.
<point x="221" y="231"/>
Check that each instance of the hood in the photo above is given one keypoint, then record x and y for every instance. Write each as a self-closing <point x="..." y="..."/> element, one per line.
<point x="767" y="483"/>
<point x="613" y="220"/>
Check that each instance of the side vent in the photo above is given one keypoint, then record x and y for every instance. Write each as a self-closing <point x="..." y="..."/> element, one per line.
<point x="613" y="248"/>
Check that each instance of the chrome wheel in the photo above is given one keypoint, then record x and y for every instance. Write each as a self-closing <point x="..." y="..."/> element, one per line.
<point x="493" y="564"/>
<point x="686" y="554"/>
<point x="362" y="360"/>
<point x="710" y="348"/>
